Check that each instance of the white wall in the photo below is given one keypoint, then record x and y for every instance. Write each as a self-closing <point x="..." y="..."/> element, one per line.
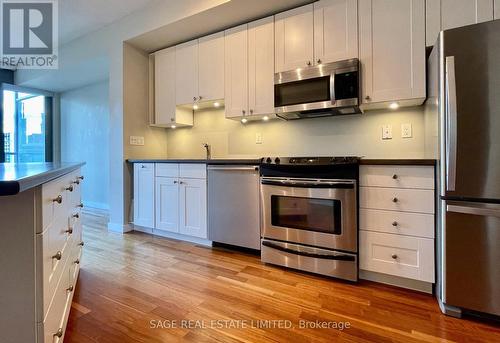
<point x="85" y="137"/>
<point x="358" y="135"/>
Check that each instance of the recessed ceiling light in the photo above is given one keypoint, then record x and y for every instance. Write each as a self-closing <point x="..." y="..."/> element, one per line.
<point x="266" y="118"/>
<point x="173" y="127"/>
<point x="216" y="104"/>
<point x="195" y="107"/>
<point x="244" y="120"/>
<point x="394" y="106"/>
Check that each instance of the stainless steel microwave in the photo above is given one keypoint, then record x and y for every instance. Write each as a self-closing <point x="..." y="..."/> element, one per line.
<point x="324" y="90"/>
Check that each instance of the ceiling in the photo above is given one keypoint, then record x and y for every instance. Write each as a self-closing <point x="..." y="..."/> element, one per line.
<point x="79" y="17"/>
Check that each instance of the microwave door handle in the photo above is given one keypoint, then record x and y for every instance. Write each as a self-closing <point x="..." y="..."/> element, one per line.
<point x="451" y="127"/>
<point x="332" y="87"/>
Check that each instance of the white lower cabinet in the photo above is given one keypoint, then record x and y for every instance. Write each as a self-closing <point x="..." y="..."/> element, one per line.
<point x="193" y="207"/>
<point x="171" y="199"/>
<point x="167" y="204"/>
<point x="397" y="225"/>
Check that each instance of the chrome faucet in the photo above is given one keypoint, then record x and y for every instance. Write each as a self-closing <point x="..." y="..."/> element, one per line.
<point x="207" y="147"/>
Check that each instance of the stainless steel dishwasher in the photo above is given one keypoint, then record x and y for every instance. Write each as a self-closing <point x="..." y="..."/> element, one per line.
<point x="233" y="205"/>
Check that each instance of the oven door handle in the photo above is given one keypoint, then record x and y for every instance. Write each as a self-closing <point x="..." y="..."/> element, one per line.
<point x="307" y="254"/>
<point x="342" y="185"/>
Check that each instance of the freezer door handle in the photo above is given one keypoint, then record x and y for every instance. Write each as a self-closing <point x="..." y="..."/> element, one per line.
<point x="475" y="210"/>
<point x="451" y="121"/>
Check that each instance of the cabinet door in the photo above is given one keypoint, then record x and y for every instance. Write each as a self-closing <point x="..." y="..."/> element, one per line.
<point x="496" y="6"/>
<point x="164" y="86"/>
<point x="261" y="66"/>
<point x="392" y="50"/>
<point x="167" y="204"/>
<point x="211" y="67"/>
<point x="186" y="73"/>
<point x="193" y="207"/>
<point x="144" y="194"/>
<point x="448" y="14"/>
<point x="335" y="30"/>
<point x="236" y="71"/>
<point x="294" y="38"/>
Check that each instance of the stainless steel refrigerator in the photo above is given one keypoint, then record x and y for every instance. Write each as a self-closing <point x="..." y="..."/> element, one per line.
<point x="464" y="104"/>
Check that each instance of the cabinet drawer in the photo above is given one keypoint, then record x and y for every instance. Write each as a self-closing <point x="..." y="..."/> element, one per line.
<point x="193" y="171"/>
<point x="400" y="223"/>
<point x="58" y="312"/>
<point x="408" y="257"/>
<point x="397" y="199"/>
<point x="167" y="169"/>
<point x="421" y="177"/>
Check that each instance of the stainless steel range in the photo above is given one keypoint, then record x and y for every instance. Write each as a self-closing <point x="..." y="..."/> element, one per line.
<point x="309" y="214"/>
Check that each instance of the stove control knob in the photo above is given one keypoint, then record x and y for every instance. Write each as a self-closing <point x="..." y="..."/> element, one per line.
<point x="277" y="160"/>
<point x="269" y="160"/>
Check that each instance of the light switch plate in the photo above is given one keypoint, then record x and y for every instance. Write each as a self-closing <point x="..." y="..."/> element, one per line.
<point x="258" y="138"/>
<point x="406" y="131"/>
<point x="386" y="131"/>
<point x="136" y="140"/>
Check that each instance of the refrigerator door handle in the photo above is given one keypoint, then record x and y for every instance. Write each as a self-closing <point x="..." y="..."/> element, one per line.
<point x="451" y="127"/>
<point x="475" y="210"/>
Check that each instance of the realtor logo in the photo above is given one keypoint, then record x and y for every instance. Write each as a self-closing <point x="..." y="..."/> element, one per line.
<point x="29" y="34"/>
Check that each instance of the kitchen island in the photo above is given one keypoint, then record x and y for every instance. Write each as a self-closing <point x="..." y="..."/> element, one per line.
<point x="40" y="249"/>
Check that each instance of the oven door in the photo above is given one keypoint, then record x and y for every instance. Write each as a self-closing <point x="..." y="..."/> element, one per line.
<point x="320" y="213"/>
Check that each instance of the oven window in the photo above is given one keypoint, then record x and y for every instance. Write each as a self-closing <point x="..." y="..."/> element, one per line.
<point x="302" y="92"/>
<point x="321" y="215"/>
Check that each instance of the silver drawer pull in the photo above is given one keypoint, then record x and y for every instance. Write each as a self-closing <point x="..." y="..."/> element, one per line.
<point x="70" y="188"/>
<point x="77" y="182"/>
<point x="70" y="288"/>
<point x="77" y="261"/>
<point x="59" y="199"/>
<point x="76" y="215"/>
<point x="394" y="256"/>
<point x="69" y="231"/>
<point x="395" y="199"/>
<point x="57" y="256"/>
<point x="81" y="177"/>
<point x="81" y="244"/>
<point x="395" y="176"/>
<point x="80" y="205"/>
<point x="59" y="333"/>
<point x="394" y="223"/>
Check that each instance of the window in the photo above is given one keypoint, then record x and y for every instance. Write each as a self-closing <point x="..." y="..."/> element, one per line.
<point x="25" y="126"/>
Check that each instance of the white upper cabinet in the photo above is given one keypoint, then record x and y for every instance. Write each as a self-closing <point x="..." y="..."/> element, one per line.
<point x="261" y="67"/>
<point x="167" y="204"/>
<point x="164" y="81"/>
<point x="448" y="14"/>
<point x="392" y="51"/>
<point x="294" y="38"/>
<point x="335" y="30"/>
<point x="186" y="73"/>
<point x="211" y="67"/>
<point x="236" y="71"/>
<point x="193" y="207"/>
<point x="144" y="194"/>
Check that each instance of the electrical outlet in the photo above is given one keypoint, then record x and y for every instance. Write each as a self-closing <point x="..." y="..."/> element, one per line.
<point x="386" y="131"/>
<point x="406" y="131"/>
<point x="136" y="140"/>
<point x="258" y="138"/>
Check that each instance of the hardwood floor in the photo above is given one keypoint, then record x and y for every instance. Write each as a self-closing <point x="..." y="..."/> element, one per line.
<point x="132" y="286"/>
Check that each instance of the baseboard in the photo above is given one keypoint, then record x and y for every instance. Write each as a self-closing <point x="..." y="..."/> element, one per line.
<point x="119" y="228"/>
<point x="97" y="205"/>
<point x="392" y="280"/>
<point x="173" y="235"/>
